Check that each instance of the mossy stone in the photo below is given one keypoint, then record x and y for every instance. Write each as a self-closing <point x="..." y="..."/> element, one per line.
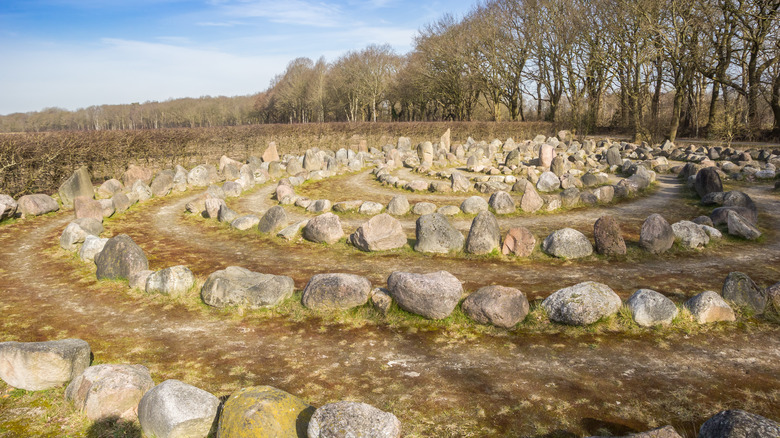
<point x="264" y="411"/>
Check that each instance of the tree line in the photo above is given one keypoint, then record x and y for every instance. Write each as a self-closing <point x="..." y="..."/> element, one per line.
<point x="653" y="68"/>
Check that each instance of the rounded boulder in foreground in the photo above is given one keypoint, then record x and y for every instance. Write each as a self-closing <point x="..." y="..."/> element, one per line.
<point x="264" y="411"/>
<point x="433" y="295"/>
<point x="650" y="308"/>
<point x="336" y="291"/>
<point x="567" y="243"/>
<point x="582" y="304"/>
<point x="353" y="419"/>
<point x="174" y="409"/>
<point x="496" y="305"/>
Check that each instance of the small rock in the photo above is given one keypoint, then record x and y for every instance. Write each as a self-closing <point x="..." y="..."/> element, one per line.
<point x="531" y="201"/>
<point x="174" y="409"/>
<point x="502" y="203"/>
<point x="433" y="295"/>
<point x="137" y="280"/>
<point x="650" y="308"/>
<point x="320" y="206"/>
<point x="110" y="391"/>
<point x="226" y="214"/>
<point x="381" y="300"/>
<point x="325" y="228"/>
<point x="212" y="207"/>
<point x="567" y="243"/>
<point x="380" y="233"/>
<point x="708" y="306"/>
<point x="582" y="304"/>
<point x="173" y="281"/>
<point x="690" y="235"/>
<point x="497" y="305"/>
<point x="548" y="182"/>
<point x="370" y="208"/>
<point x="91" y="247"/>
<point x="423" y="208"/>
<point x="336" y="291"/>
<point x="353" y="419"/>
<point x="36" y="205"/>
<point x="245" y="222"/>
<point x="398" y="206"/>
<point x="289" y="232"/>
<point x="35" y="366"/>
<point x="109" y="188"/>
<point x="474" y="205"/>
<point x="739" y="226"/>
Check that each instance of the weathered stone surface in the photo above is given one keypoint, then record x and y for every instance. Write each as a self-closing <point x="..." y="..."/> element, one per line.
<point x="380" y="233"/>
<point x="8" y="207"/>
<point x="135" y="173"/>
<point x="78" y="184"/>
<point x="739" y="424"/>
<point x="291" y="231"/>
<point x="141" y="190"/>
<point x="398" y="206"/>
<point x="320" y="206"/>
<point x="459" y="183"/>
<point x="245" y="222"/>
<point x="567" y="243"/>
<point x="708" y="306"/>
<point x="690" y="235"/>
<point x="739" y="226"/>
<point x="137" y="280"/>
<point x="370" y="208"/>
<point x="474" y="205"/>
<point x="226" y="214"/>
<point x="656" y="235"/>
<point x="381" y="300"/>
<point x="546" y="153"/>
<point x="74" y="234"/>
<point x="502" y="203"/>
<point x="613" y="156"/>
<point x="312" y="161"/>
<point x="336" y="291"/>
<point x="107" y="207"/>
<point x="582" y="304"/>
<point x="121" y="202"/>
<point x="434" y="233"/>
<point x="353" y="419"/>
<point x="35" y="366"/>
<point x="120" y="258"/>
<point x="773" y="298"/>
<point x="109" y="188"/>
<point x="37" y="204"/>
<point x="650" y="308"/>
<point x="273" y="220"/>
<point x="432" y="295"/>
<point x="497" y="305"/>
<point x="212" y="206"/>
<point x="199" y="176"/>
<point x="449" y="210"/>
<point x="423" y="208"/>
<point x="236" y="286"/>
<point x="531" y="201"/>
<point x="270" y="153"/>
<point x="608" y="238"/>
<point x="743" y="291"/>
<point x="484" y="235"/>
<point x="174" y="409"/>
<point x="707" y="181"/>
<point x="519" y="242"/>
<point x="325" y="228"/>
<point x="264" y="411"/>
<point x="86" y="207"/>
<point x="91" y="247"/>
<point x="110" y="391"/>
<point x="548" y="182"/>
<point x="172" y="281"/>
<point x="162" y="184"/>
<point x="232" y="189"/>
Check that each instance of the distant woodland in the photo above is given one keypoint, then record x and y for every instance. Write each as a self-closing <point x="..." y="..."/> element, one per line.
<point x="651" y="68"/>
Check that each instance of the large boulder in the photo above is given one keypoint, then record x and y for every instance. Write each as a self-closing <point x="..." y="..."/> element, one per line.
<point x="78" y="184"/>
<point x="740" y="226"/>
<point x="608" y="238"/>
<point x="270" y="153"/>
<point x="519" y="242"/>
<point x="120" y="258"/>
<point x="173" y="281"/>
<point x="567" y="243"/>
<point x="502" y="203"/>
<point x="110" y="391"/>
<point x="325" y="228"/>
<point x="432" y="295"/>
<point x="162" y="184"/>
<point x="37" y="204"/>
<point x="690" y="235"/>
<point x="739" y="424"/>
<point x="174" y="409"/>
<point x="312" y="161"/>
<point x="497" y="305"/>
<point x="656" y="235"/>
<point x="35" y="366"/>
<point x="380" y="233"/>
<point x="708" y="306"/>
<point x="264" y="411"/>
<point x="353" y="419"/>
<point x="582" y="304"/>
<point x="273" y="220"/>
<point x="484" y="234"/>
<point x="650" y="308"/>
<point x="743" y="291"/>
<point x="434" y="233"/>
<point x="707" y="181"/>
<point x="235" y="286"/>
<point x="336" y="291"/>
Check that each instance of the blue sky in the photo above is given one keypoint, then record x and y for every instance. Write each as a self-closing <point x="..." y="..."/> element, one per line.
<point x="76" y="53"/>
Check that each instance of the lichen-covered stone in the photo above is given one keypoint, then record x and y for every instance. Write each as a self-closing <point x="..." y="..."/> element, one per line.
<point x="264" y="411"/>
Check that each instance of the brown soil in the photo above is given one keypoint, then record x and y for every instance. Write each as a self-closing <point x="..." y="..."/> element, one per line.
<point x="438" y="381"/>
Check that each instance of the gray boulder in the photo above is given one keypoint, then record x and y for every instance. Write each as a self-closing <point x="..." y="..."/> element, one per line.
<point x="708" y="306"/>
<point x="245" y="222"/>
<point x="273" y="220"/>
<point x="502" y="203"/>
<point x="162" y="184"/>
<point x="582" y="304"/>
<point x="380" y="233"/>
<point x="320" y="206"/>
<point x="75" y="233"/>
<point x="35" y="366"/>
<point x="433" y="295"/>
<point x="325" y="228"/>
<point x="690" y="235"/>
<point x="336" y="291"/>
<point x="120" y="258"/>
<point x="423" y="208"/>
<point x="174" y="409"/>
<point x="291" y="231"/>
<point x="739" y="226"/>
<point x="459" y="183"/>
<point x="496" y="305"/>
<point x="398" y="206"/>
<point x="353" y="419"/>
<point x="707" y="181"/>
<point x="370" y="208"/>
<point x="548" y="182"/>
<point x="91" y="247"/>
<point x="78" y="184"/>
<point x="110" y="391"/>
<point x="8" y="207"/>
<point x="199" y="176"/>
<point x="613" y="156"/>
<point x="743" y="291"/>
<point x="142" y="191"/>
<point x="650" y="308"/>
<point x="226" y="214"/>
<point x="435" y="234"/>
<point x="173" y="281"/>
<point x="235" y="286"/>
<point x="739" y="424"/>
<point x="484" y="235"/>
<point x="109" y="188"/>
<point x="567" y="243"/>
<point x="232" y="189"/>
<point x="312" y="161"/>
<point x="121" y="202"/>
<point x="474" y="205"/>
<point x="656" y="235"/>
<point x="36" y="205"/>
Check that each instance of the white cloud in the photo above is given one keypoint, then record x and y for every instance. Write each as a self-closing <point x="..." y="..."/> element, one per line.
<point x="297" y="12"/>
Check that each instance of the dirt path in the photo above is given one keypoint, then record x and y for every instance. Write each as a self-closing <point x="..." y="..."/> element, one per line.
<point x="439" y="382"/>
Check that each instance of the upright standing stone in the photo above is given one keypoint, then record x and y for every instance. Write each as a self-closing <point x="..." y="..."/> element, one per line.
<point x="120" y="259"/>
<point x="78" y="184"/>
<point x="609" y="240"/>
<point x="656" y="235"/>
<point x="484" y="234"/>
